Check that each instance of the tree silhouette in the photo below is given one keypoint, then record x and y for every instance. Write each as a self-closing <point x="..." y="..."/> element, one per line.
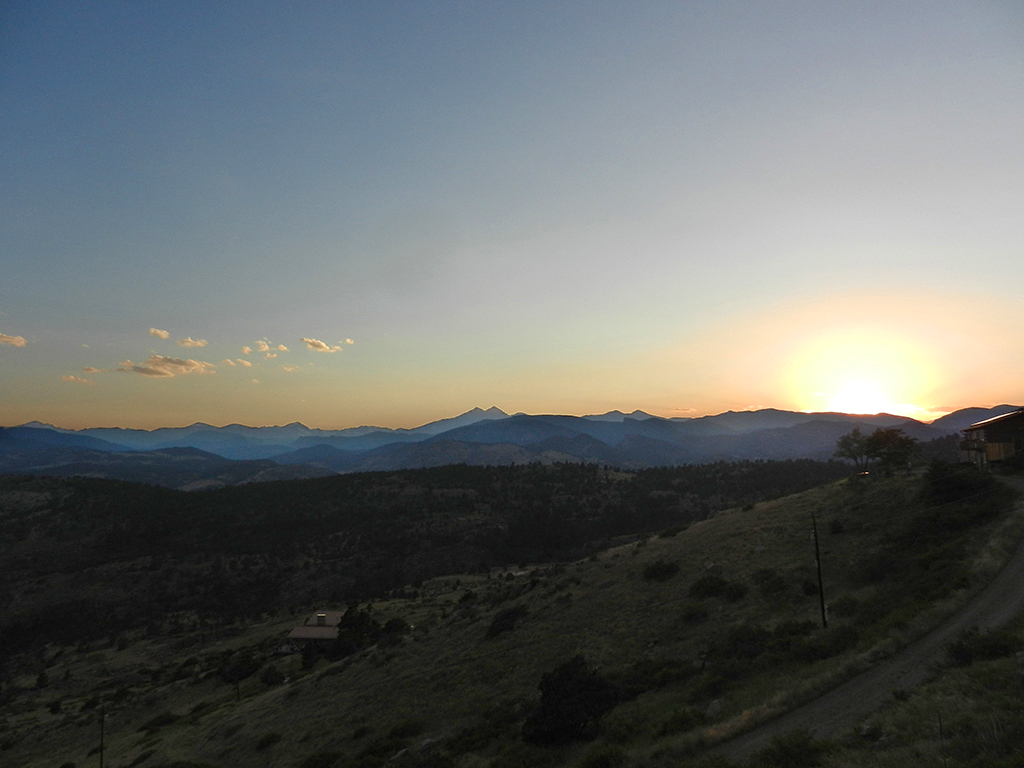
<point x="240" y="666"/>
<point x="890" y="447"/>
<point x="852" y="446"/>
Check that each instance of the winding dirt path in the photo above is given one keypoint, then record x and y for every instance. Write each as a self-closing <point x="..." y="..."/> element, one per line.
<point x="845" y="706"/>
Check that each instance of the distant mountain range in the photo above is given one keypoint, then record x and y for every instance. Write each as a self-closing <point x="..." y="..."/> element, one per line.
<point x="204" y="456"/>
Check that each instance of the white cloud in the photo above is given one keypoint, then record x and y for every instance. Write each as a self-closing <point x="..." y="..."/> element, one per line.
<point x="75" y="379"/>
<point x="160" y="367"/>
<point x="282" y="348"/>
<point x="263" y="346"/>
<point x="349" y="341"/>
<point x="231" y="363"/>
<point x="270" y="355"/>
<point x="290" y="368"/>
<point x="318" y="346"/>
<point x="92" y="370"/>
<point x="190" y="342"/>
<point x="159" y="334"/>
<point x="246" y="363"/>
<point x="14" y="341"/>
<point x="246" y="350"/>
<point x="255" y="381"/>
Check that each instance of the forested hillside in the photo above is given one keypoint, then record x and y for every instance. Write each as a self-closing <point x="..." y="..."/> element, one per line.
<point x="107" y="556"/>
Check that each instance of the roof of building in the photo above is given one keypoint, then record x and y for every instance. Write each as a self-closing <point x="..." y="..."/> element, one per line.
<point x="995" y="419"/>
<point x="331" y="618"/>
<point x="313" y="633"/>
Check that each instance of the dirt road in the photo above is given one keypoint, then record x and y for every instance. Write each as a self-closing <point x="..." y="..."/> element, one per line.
<point x="845" y="706"/>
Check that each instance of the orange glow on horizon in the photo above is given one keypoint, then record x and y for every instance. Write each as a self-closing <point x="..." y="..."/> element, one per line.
<point x="862" y="371"/>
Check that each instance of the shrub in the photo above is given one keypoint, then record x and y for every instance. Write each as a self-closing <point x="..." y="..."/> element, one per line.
<point x="396" y="626"/>
<point x="694" y="612"/>
<point x="830" y="642"/>
<point x="320" y="760"/>
<point x="682" y="720"/>
<point x="745" y="641"/>
<point x="975" y="645"/>
<point x="795" y="749"/>
<point x="573" y="699"/>
<point x="790" y="634"/>
<point x="660" y="570"/>
<point x="604" y="756"/>
<point x="505" y="620"/>
<point x="407" y="729"/>
<point x="946" y="482"/>
<point x="143" y="757"/>
<point x="734" y="591"/>
<point x="711" y="585"/>
<point x="648" y="674"/>
<point x="707" y="586"/>
<point x="415" y="760"/>
<point x="271" y="675"/>
<point x="710" y="685"/>
<point x="267" y="740"/>
<point x="845" y="606"/>
<point x="769" y="583"/>
<point x="379" y="750"/>
<point x="164" y="718"/>
<point x="874" y="568"/>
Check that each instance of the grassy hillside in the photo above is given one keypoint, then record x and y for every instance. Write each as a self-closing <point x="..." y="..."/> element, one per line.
<point x="110" y="557"/>
<point x="680" y="639"/>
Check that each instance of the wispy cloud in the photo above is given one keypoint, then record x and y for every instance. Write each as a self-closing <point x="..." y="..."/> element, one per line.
<point x="160" y="367"/>
<point x="270" y="355"/>
<point x="281" y="348"/>
<point x="190" y="342"/>
<point x="90" y="369"/>
<point x="290" y="368"/>
<point x="229" y="362"/>
<point x="159" y="334"/>
<point x="348" y="341"/>
<point x="245" y="363"/>
<point x="246" y="350"/>
<point x="14" y="341"/>
<point x="318" y="346"/>
<point x="75" y="379"/>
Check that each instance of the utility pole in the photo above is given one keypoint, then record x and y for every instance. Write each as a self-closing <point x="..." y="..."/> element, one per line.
<point x="817" y="562"/>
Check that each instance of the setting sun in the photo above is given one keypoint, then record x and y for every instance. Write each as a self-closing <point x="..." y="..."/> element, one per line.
<point x="860" y="371"/>
<point x="860" y="396"/>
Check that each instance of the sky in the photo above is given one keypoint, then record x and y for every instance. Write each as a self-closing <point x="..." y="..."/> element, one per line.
<point x="391" y="212"/>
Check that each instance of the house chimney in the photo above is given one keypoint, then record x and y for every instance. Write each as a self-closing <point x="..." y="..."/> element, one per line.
<point x="321" y="619"/>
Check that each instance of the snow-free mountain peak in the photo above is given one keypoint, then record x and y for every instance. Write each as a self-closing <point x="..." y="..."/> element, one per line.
<point x="469" y="417"/>
<point x="618" y="416"/>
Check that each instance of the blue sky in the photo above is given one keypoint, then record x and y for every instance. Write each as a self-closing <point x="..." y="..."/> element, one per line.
<point x="549" y="207"/>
